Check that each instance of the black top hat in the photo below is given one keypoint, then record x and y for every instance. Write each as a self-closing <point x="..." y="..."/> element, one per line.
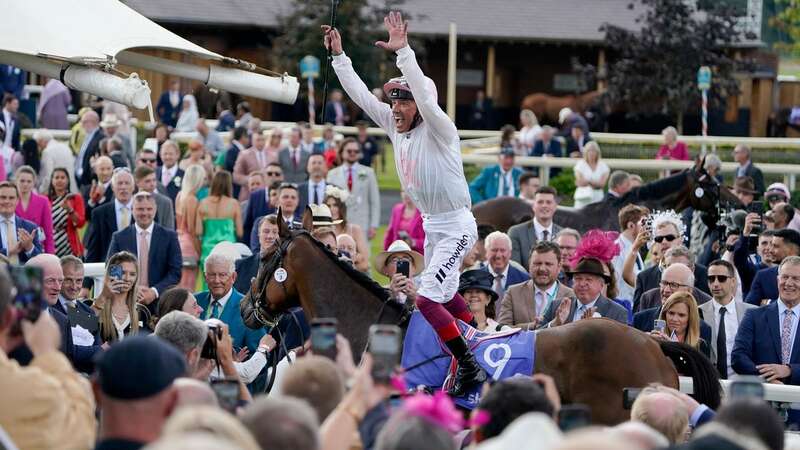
<point x="591" y="266"/>
<point x="477" y="279"/>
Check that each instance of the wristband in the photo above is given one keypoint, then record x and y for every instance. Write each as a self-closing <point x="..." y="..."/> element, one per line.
<point x="263" y="349"/>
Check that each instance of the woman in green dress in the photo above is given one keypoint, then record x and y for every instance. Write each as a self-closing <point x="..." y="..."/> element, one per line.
<point x="219" y="216"/>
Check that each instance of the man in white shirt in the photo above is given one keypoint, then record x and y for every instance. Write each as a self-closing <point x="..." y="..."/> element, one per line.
<point x="498" y="256"/>
<point x="630" y="222"/>
<point x="313" y="190"/>
<point x="541" y="228"/>
<point x="54" y="154"/>
<point x="19" y="241"/>
<point x="723" y="314"/>
<point x="10" y="123"/>
<point x="169" y="174"/>
<point x="293" y="159"/>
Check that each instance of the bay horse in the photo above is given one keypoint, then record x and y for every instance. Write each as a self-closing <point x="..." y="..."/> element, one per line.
<point x="591" y="360"/>
<point x="546" y="107"/>
<point x="676" y="192"/>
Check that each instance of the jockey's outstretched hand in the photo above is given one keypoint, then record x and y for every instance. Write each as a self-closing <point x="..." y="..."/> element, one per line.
<point x="398" y="32"/>
<point x="332" y="40"/>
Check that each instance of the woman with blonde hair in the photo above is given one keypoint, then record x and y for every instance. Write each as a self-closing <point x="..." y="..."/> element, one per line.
<point x="185" y="217"/>
<point x="119" y="313"/>
<point x="682" y="319"/>
<point x="530" y="130"/>
<point x="274" y="144"/>
<point x="591" y="175"/>
<point x="336" y="200"/>
<point x="211" y="420"/>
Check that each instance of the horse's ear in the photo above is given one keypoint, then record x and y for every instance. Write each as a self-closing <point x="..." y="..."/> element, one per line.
<point x="283" y="228"/>
<point x="308" y="219"/>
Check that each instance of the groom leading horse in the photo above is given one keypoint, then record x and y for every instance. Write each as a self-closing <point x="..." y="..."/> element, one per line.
<point x="428" y="159"/>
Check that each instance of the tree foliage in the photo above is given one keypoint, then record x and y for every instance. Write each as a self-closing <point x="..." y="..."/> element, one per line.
<point x="654" y="69"/>
<point x="787" y="20"/>
<point x="360" y="23"/>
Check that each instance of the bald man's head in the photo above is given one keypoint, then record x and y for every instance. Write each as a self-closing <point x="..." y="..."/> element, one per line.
<point x="193" y="392"/>
<point x="104" y="168"/>
<point x="664" y="412"/>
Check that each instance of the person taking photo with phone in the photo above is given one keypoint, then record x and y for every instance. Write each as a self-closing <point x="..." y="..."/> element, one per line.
<point x="119" y="313"/>
<point x="401" y="265"/>
<point x="428" y="158"/>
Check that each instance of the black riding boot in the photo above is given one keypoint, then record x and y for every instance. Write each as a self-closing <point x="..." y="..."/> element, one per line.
<point x="469" y="373"/>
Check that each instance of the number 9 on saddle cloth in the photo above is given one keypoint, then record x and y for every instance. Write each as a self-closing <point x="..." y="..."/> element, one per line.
<point x="428" y="363"/>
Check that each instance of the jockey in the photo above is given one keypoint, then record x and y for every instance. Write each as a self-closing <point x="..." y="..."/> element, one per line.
<point x="427" y="154"/>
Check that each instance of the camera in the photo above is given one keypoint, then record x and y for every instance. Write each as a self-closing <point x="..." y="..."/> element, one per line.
<point x="214" y="335"/>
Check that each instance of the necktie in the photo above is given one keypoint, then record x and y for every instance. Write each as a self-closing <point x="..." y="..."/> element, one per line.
<point x="125" y="218"/>
<point x="165" y="176"/>
<point x="144" y="253"/>
<point x="498" y="285"/>
<point x="722" y="347"/>
<point x="71" y="304"/>
<point x="786" y="335"/>
<point x="539" y="302"/>
<point x="350" y="178"/>
<point x="580" y="312"/>
<point x="545" y="235"/>
<point x="294" y="158"/>
<point x="316" y="193"/>
<point x="11" y="237"/>
<point x="214" y="310"/>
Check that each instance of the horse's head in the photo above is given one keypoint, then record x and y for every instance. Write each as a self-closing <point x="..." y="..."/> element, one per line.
<point x="274" y="289"/>
<point x="703" y="192"/>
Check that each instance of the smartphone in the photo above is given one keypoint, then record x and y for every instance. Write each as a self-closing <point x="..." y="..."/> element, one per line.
<point x="629" y="396"/>
<point x="574" y="416"/>
<point x="384" y="346"/>
<point x="403" y="267"/>
<point x="660" y="325"/>
<point x="323" y="337"/>
<point x="758" y="208"/>
<point x="115" y="272"/>
<point x="746" y="386"/>
<point x="227" y="391"/>
<point x="27" y="294"/>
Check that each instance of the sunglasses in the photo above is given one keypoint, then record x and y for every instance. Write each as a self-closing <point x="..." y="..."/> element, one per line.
<point x="274" y="174"/>
<point x="666" y="237"/>
<point x="720" y="278"/>
<point x="147" y="160"/>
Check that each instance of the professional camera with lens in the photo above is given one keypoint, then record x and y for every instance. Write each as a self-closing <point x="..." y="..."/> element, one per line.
<point x="214" y="335"/>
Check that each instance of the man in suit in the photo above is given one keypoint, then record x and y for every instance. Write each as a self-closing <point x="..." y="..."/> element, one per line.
<point x="524" y="304"/>
<point x="169" y="174"/>
<point x="784" y="243"/>
<point x="288" y="198"/>
<point x="767" y="340"/>
<point x="498" y="258"/>
<point x="335" y="110"/>
<point x="9" y="122"/>
<point x="567" y="240"/>
<point x="747" y="264"/>
<point x="251" y="160"/>
<point x="146" y="182"/>
<point x="540" y="228"/>
<point x="724" y="314"/>
<point x="742" y="154"/>
<point x="578" y="137"/>
<point x="221" y="301"/>
<point x="667" y="234"/>
<point x="83" y="321"/>
<point x="364" y="203"/>
<point x="500" y="180"/>
<point x="239" y="143"/>
<point x="54" y="154"/>
<point x="90" y="122"/>
<point x="676" y="255"/>
<point x="169" y="104"/>
<point x="156" y="248"/>
<point x="19" y="236"/>
<point x="547" y="146"/>
<point x="293" y="159"/>
<point x="247" y="268"/>
<point x="12" y="80"/>
<point x="677" y="277"/>
<point x="313" y="190"/>
<point x="630" y="224"/>
<point x="589" y="280"/>
<point x="109" y="218"/>
<point x="99" y="192"/>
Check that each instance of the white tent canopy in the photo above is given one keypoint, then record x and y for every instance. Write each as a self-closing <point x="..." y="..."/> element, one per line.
<point x="43" y="35"/>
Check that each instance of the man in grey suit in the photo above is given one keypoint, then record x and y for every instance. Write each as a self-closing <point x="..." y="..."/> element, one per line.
<point x="540" y="228"/>
<point x="293" y="159"/>
<point x="364" y="203"/>
<point x="725" y="311"/>
<point x="589" y="279"/>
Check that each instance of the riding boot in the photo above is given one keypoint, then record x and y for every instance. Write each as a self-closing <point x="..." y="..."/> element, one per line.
<point x="469" y="373"/>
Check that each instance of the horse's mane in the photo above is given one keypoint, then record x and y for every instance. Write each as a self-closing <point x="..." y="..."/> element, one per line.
<point x="359" y="277"/>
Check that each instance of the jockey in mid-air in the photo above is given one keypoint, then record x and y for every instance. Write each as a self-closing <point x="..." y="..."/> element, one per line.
<point x="427" y="154"/>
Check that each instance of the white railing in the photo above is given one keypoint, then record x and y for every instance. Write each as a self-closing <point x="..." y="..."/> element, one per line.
<point x="780" y="393"/>
<point x="96" y="271"/>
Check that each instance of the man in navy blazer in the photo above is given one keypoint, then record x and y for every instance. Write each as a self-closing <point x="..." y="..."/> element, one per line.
<point x="498" y="259"/>
<point x="785" y="243"/>
<point x="497" y="181"/>
<point x="163" y="268"/>
<point x="10" y="124"/>
<point x="169" y="104"/>
<point x="547" y="146"/>
<point x="767" y="343"/>
<point x="221" y="301"/>
<point x="169" y="175"/>
<point x="84" y="315"/>
<point x="25" y="242"/>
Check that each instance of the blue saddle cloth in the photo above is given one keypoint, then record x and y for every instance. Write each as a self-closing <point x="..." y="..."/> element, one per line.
<point x="502" y="355"/>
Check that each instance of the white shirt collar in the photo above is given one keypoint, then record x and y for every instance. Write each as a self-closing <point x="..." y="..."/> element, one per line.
<point x="12" y="219"/>
<point x="539" y="228"/>
<point x="221" y="301"/>
<point x="549" y="291"/>
<point x="782" y="308"/>
<point x="118" y="205"/>
<point x="495" y="274"/>
<point x="148" y="229"/>
<point x="730" y="308"/>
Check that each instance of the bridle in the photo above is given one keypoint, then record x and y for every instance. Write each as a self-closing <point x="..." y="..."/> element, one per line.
<point x="272" y="266"/>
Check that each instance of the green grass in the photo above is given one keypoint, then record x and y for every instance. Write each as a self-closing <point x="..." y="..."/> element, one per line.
<point x="375" y="247"/>
<point x="387" y="176"/>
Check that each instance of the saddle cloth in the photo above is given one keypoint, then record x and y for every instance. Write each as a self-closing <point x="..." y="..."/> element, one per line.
<point x="502" y="355"/>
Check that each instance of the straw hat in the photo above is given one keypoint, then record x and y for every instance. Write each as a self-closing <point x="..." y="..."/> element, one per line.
<point x="395" y="248"/>
<point x="110" y="120"/>
<point x="322" y="215"/>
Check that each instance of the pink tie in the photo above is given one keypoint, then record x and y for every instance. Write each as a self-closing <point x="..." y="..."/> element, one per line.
<point x="144" y="252"/>
<point x="164" y="176"/>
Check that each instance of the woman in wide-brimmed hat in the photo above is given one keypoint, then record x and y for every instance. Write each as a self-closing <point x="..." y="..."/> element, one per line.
<point x="476" y="288"/>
